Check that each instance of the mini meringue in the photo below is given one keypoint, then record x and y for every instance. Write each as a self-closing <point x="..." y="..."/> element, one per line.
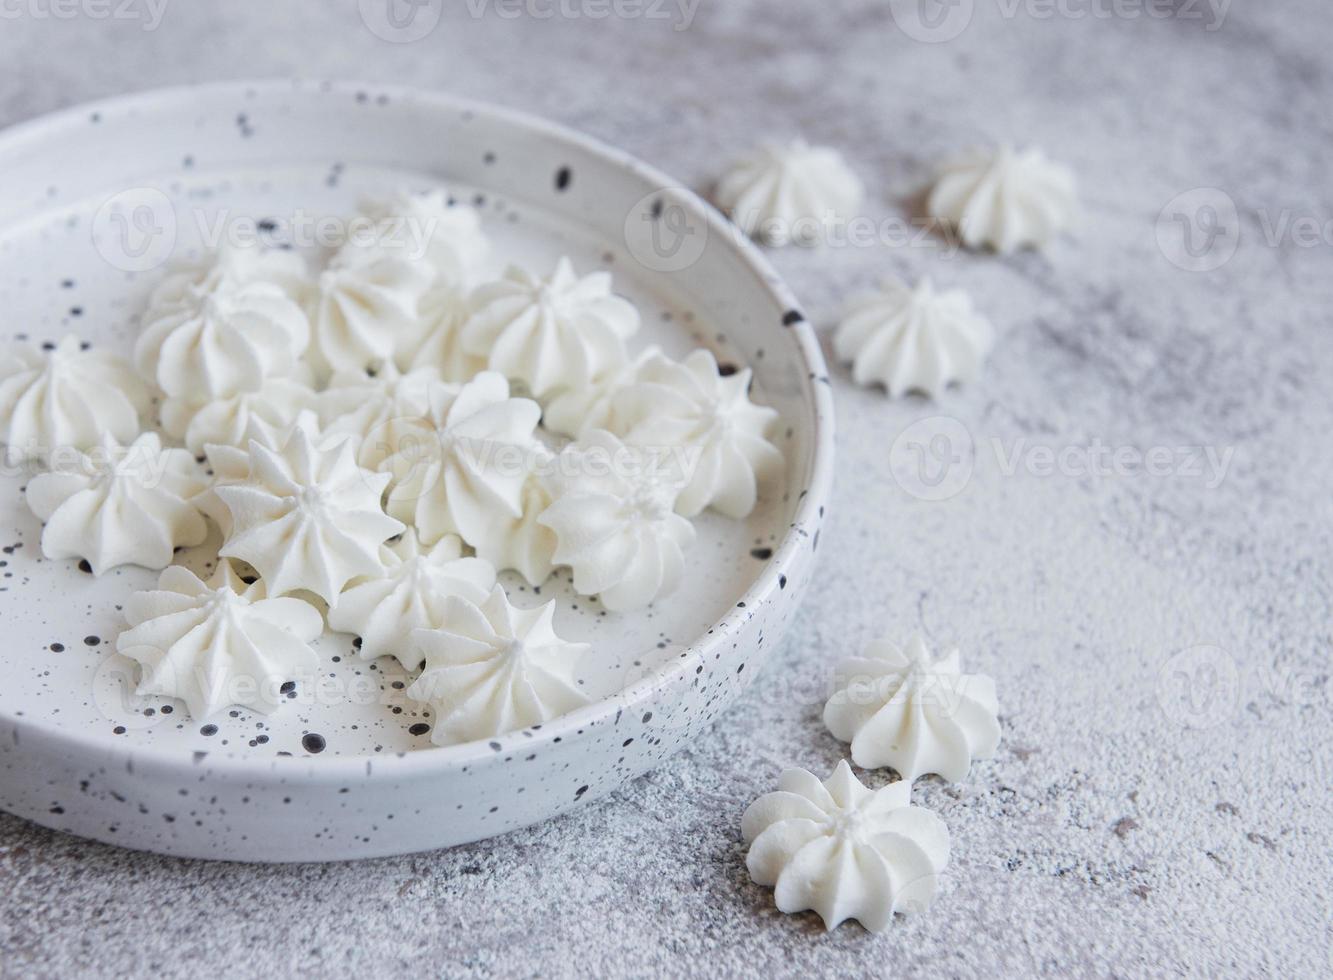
<point x="408" y="595"/>
<point x="120" y="505"/>
<point x="429" y="226"/>
<point x="219" y="644"/>
<point x="65" y="398"/>
<point x="845" y="851"/>
<point x="384" y="414"/>
<point x="1003" y="198"/>
<point x="792" y="193"/>
<point x="522" y="543"/>
<point x="230" y="464"/>
<point x="900" y="709"/>
<point x="223" y="326"/>
<point x="575" y="411"/>
<point x="615" y="525"/>
<point x="495" y="668"/>
<point x="367" y="307"/>
<point x="690" y="406"/>
<point x="468" y="476"/>
<point x="913" y="339"/>
<point x="438" y="344"/>
<point x="554" y="333"/>
<point x="308" y="518"/>
<point x="225" y="421"/>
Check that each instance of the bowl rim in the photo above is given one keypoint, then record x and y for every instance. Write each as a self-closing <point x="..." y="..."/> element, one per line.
<point x="809" y="510"/>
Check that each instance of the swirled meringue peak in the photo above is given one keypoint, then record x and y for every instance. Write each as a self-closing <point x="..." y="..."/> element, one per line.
<point x="522" y="543"/>
<point x="575" y="411"/>
<point x="468" y="477"/>
<point x="899" y="708"/>
<point x="614" y="522"/>
<point x="230" y="464"/>
<point x="495" y="668"/>
<point x="435" y="228"/>
<point x="219" y="643"/>
<point x="367" y="307"/>
<point x="845" y="851"/>
<point x="1003" y="198"/>
<point x="308" y="519"/>
<point x="219" y="328"/>
<point x="384" y="413"/>
<point x="226" y="421"/>
<point x="65" y="397"/>
<point x="561" y="332"/>
<point x="790" y="194"/>
<point x="722" y="435"/>
<point x="913" y="339"/>
<point x="409" y="595"/>
<point x="439" y="341"/>
<point x="119" y="505"/>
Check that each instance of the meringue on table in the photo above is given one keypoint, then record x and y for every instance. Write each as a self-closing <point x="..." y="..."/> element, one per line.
<point x="1003" y="198"/>
<point x="615" y="524"/>
<point x="845" y="851"/>
<point x="410" y="594"/>
<point x="219" y="643"/>
<point x="384" y="413"/>
<point x="790" y="193"/>
<point x="120" y="505"/>
<point x="224" y="422"/>
<point x="495" y="668"/>
<point x="66" y="397"/>
<point x="446" y="236"/>
<point x="306" y="518"/>
<point x="913" y="339"/>
<point x="899" y="708"/>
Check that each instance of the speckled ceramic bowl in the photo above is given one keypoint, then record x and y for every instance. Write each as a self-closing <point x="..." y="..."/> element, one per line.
<point x="97" y="200"/>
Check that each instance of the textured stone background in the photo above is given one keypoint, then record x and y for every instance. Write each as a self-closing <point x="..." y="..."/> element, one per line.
<point x="1154" y="808"/>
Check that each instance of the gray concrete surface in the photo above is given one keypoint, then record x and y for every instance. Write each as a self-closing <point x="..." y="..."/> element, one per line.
<point x="1159" y="805"/>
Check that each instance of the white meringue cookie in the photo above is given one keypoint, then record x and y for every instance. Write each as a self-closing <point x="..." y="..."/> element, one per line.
<point x="219" y="644"/>
<point x="120" y="505"/>
<point x="223" y="326"/>
<point x="522" y="543"/>
<point x="410" y="594"/>
<point x="307" y="518"/>
<point x="552" y="333"/>
<point x="900" y="709"/>
<point x="439" y="342"/>
<point x="384" y="414"/>
<point x="574" y="411"/>
<point x="469" y="476"/>
<point x="843" y="850"/>
<point x="1003" y="198"/>
<point x="614" y="523"/>
<point x="690" y="406"/>
<point x="913" y="339"/>
<point x="230" y="464"/>
<point x="446" y="235"/>
<point x="367" y="307"/>
<point x="792" y="193"/>
<point x="494" y="668"/>
<point x="225" y="421"/>
<point x="64" y="398"/>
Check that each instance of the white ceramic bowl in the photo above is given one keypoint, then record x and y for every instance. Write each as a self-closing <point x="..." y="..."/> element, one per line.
<point x="96" y="199"/>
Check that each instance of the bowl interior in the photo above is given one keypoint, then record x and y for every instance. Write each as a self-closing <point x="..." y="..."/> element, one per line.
<point x="97" y="202"/>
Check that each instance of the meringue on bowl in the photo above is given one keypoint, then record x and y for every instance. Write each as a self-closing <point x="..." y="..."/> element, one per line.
<point x="310" y="481"/>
